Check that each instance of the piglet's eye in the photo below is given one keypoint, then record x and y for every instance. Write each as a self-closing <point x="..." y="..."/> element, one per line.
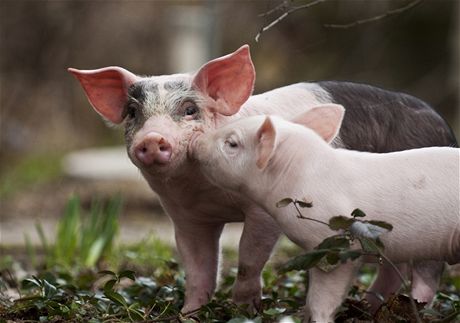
<point x="191" y="110"/>
<point x="231" y="143"/>
<point x="132" y="110"/>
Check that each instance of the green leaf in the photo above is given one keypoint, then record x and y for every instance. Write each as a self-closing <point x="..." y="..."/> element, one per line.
<point x="107" y="272"/>
<point x="116" y="298"/>
<point x="274" y="311"/>
<point x="304" y="262"/>
<point x="379" y="244"/>
<point x="382" y="224"/>
<point x="238" y="320"/>
<point x="368" y="245"/>
<point x="95" y="252"/>
<point x="134" y="313"/>
<point x="49" y="290"/>
<point x="32" y="282"/>
<point x="284" y="202"/>
<point x="128" y="274"/>
<point x="357" y="213"/>
<point x="349" y="254"/>
<point x="108" y="286"/>
<point x="334" y="242"/>
<point x="332" y="257"/>
<point x="304" y="204"/>
<point x="340" y="222"/>
<point x="326" y="266"/>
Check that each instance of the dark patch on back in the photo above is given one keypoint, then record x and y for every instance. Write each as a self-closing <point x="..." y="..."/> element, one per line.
<point x="377" y="120"/>
<point x="174" y="85"/>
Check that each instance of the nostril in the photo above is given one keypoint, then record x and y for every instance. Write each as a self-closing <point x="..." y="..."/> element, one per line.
<point x="154" y="149"/>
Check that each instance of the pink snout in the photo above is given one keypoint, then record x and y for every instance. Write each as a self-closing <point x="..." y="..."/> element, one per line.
<point x="153" y="149"/>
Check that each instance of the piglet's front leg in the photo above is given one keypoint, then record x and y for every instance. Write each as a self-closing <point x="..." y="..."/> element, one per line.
<point x="260" y="235"/>
<point x="326" y="291"/>
<point x="198" y="247"/>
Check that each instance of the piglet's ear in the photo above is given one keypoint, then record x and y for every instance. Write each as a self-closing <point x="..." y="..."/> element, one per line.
<point x="228" y="80"/>
<point x="106" y="89"/>
<point x="324" y="119"/>
<point x="266" y="142"/>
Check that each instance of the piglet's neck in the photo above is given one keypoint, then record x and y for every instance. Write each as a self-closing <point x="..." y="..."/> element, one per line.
<point x="297" y="171"/>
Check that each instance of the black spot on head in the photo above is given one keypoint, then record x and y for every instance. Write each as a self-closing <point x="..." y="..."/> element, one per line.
<point x="140" y="89"/>
<point x="137" y="92"/>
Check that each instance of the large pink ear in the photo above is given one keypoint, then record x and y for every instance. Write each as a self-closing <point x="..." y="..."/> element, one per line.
<point x="266" y="142"/>
<point x="106" y="89"/>
<point x="324" y="119"/>
<point x="228" y="80"/>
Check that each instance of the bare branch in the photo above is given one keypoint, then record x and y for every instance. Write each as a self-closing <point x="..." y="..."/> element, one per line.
<point x="376" y="18"/>
<point x="281" y="6"/>
<point x="285" y="14"/>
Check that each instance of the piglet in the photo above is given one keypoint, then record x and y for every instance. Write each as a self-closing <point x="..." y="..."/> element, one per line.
<point x="160" y="115"/>
<point x="268" y="159"/>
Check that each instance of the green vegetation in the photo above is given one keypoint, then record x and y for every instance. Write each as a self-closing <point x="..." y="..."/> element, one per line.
<point x="81" y="239"/>
<point x="91" y="279"/>
<point x="33" y="170"/>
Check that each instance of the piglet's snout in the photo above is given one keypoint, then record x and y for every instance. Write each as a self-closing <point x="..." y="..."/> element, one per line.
<point x="153" y="149"/>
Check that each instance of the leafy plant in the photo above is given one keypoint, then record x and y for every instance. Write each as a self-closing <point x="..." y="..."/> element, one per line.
<point x="77" y="293"/>
<point x="81" y="240"/>
<point x="338" y="248"/>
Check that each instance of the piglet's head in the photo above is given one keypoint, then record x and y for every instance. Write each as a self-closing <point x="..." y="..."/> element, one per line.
<point x="162" y="113"/>
<point x="249" y="154"/>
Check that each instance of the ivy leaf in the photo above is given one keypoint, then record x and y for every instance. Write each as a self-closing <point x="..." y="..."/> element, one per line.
<point x="357" y="213"/>
<point x="334" y="242"/>
<point x="349" y="254"/>
<point x="32" y="282"/>
<point x="284" y="202"/>
<point x="382" y="224"/>
<point x="340" y="222"/>
<point x="116" y="298"/>
<point x="274" y="311"/>
<point x="135" y="313"/>
<point x="366" y="229"/>
<point x="368" y="245"/>
<point x="304" y="262"/>
<point x="49" y="290"/>
<point x="108" y="286"/>
<point x="128" y="274"/>
<point x="379" y="244"/>
<point x="329" y="262"/>
<point x="107" y="272"/>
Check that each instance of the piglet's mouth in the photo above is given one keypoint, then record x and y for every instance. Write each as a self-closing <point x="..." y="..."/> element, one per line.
<point x="191" y="143"/>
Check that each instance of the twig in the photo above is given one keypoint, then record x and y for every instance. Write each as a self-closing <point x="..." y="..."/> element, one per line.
<point x="282" y="5"/>
<point x="375" y="18"/>
<point x="300" y="216"/>
<point x="285" y="14"/>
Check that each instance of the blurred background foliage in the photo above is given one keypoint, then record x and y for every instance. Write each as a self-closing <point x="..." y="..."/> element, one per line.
<point x="44" y="111"/>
